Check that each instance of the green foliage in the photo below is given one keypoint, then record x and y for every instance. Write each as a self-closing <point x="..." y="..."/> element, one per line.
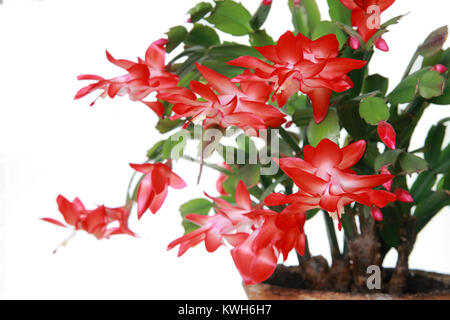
<point x="199" y="11"/>
<point x="231" y="17"/>
<point x="324" y="28"/>
<point x="374" y="83"/>
<point x="328" y="129"/>
<point x="407" y="90"/>
<point x="305" y="16"/>
<point x="339" y="13"/>
<point x="431" y="85"/>
<point x="260" y="16"/>
<point x="411" y="163"/>
<point x="260" y="38"/>
<point x="202" y="35"/>
<point x="175" y="36"/>
<point x="374" y="110"/>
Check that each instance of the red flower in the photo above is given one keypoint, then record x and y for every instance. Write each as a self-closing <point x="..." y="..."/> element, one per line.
<point x="300" y="64"/>
<point x="142" y="78"/>
<point x="387" y="134"/>
<point x="267" y="2"/>
<point x="214" y="228"/>
<point x="243" y="107"/>
<point x="366" y="15"/>
<point x="256" y="257"/>
<point x="154" y="186"/>
<point x="258" y="236"/>
<point x="327" y="182"/>
<point x="96" y="222"/>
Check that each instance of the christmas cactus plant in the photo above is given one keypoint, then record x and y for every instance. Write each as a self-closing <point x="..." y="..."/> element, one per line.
<point x="315" y="133"/>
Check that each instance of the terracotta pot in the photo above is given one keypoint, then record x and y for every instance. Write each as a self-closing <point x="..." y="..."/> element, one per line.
<point x="266" y="291"/>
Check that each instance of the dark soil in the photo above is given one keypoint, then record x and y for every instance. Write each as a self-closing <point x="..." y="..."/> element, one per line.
<point x="417" y="282"/>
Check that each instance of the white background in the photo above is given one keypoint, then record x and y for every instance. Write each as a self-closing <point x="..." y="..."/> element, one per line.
<point x="51" y="144"/>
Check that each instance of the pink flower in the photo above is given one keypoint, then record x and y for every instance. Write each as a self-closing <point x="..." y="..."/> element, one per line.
<point x="381" y="44"/>
<point x="96" y="222"/>
<point x="387" y="134"/>
<point x="153" y="188"/>
<point x="142" y="78"/>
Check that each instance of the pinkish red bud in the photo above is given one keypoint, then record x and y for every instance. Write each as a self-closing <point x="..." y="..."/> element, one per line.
<point x="386" y="185"/>
<point x="161" y="42"/>
<point x="381" y="44"/>
<point x="403" y="195"/>
<point x="353" y="42"/>
<point x="267" y="2"/>
<point x="296" y="3"/>
<point x="386" y="134"/>
<point x="439" y="68"/>
<point x="376" y="214"/>
<point x="189" y="20"/>
<point x="288" y="124"/>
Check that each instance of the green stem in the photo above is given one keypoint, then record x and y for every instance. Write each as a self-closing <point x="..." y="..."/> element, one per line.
<point x="289" y="140"/>
<point x="332" y="239"/>
<point x="411" y="64"/>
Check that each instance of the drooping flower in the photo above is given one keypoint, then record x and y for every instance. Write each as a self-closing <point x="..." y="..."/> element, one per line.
<point x="258" y="236"/>
<point x="153" y="189"/>
<point x="96" y="222"/>
<point x="142" y="78"/>
<point x="387" y="134"/>
<point x="243" y="107"/>
<point x="300" y="64"/>
<point x="326" y="181"/>
<point x="366" y="15"/>
<point x="256" y="257"/>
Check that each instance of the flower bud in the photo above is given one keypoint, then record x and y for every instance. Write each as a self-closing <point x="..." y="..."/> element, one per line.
<point x="353" y="42"/>
<point x="296" y="3"/>
<point x="403" y="195"/>
<point x="439" y="68"/>
<point x="386" y="134"/>
<point x="381" y="44"/>
<point x="376" y="214"/>
<point x="267" y="2"/>
<point x="386" y="185"/>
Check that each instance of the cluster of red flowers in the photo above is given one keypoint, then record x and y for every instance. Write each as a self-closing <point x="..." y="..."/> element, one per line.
<point x="300" y="64"/>
<point x="96" y="222"/>
<point x="324" y="176"/>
